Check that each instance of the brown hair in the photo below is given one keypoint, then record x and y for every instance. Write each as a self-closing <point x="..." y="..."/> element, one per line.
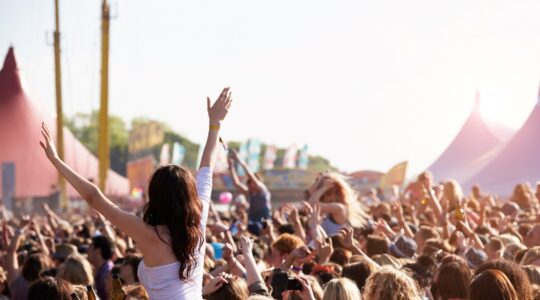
<point x="452" y="281"/>
<point x="173" y="203"/>
<point x="34" y="265"/>
<point x="236" y="289"/>
<point x="50" y="288"/>
<point x="492" y="284"/>
<point x="286" y="243"/>
<point x="358" y="272"/>
<point x="514" y="273"/>
<point x="376" y="244"/>
<point x="77" y="270"/>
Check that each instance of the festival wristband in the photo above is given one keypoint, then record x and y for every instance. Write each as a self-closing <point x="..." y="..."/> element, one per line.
<point x="214" y="127"/>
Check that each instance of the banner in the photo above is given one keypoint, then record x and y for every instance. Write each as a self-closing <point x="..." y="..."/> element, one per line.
<point x="289" y="159"/>
<point x="144" y="136"/>
<point x="139" y="172"/>
<point x="179" y="152"/>
<point x="303" y="159"/>
<point x="254" y="152"/>
<point x="396" y="176"/>
<point x="270" y="156"/>
<point x="164" y="157"/>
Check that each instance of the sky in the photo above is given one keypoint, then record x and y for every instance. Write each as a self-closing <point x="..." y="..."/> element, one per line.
<point x="366" y="84"/>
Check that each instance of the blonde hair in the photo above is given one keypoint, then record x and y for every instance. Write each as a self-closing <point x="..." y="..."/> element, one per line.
<point x="533" y="272"/>
<point x="530" y="256"/>
<point x="341" y="288"/>
<point x="452" y="193"/>
<point x="391" y="284"/>
<point x="77" y="270"/>
<point x="346" y="195"/>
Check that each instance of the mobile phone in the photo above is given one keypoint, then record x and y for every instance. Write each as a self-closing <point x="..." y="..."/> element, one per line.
<point x="293" y="284"/>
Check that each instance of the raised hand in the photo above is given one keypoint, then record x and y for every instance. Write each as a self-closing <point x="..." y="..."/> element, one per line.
<point x="215" y="284"/>
<point x="218" y="111"/>
<point x="246" y="245"/>
<point x="48" y="145"/>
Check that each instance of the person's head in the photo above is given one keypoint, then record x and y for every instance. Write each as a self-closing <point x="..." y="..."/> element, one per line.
<point x="235" y="289"/>
<point x="376" y="244"/>
<point x="282" y="246"/>
<point x="533" y="273"/>
<point x="532" y="238"/>
<point x="452" y="281"/>
<point x="403" y="247"/>
<point x="174" y="204"/>
<point x="422" y="235"/>
<point x="62" y="251"/>
<point x="51" y="289"/>
<point x="531" y="257"/>
<point x="390" y="284"/>
<point x="494" y="248"/>
<point x="342" y="192"/>
<point x="340" y="256"/>
<point x="358" y="272"/>
<point x="425" y="178"/>
<point x="492" y="284"/>
<point x="76" y="270"/>
<point x="452" y="192"/>
<point x="128" y="269"/>
<point x="101" y="250"/>
<point x="513" y="272"/>
<point x="34" y="265"/>
<point x="341" y="288"/>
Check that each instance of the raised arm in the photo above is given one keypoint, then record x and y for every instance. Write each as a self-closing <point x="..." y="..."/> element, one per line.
<point x="248" y="170"/>
<point x="130" y="224"/>
<point x="216" y="114"/>
<point x="236" y="181"/>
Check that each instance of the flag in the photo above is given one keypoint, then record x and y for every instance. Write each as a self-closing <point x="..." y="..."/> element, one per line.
<point x="396" y="176"/>
<point x="222" y="164"/>
<point x="178" y="153"/>
<point x="243" y="155"/>
<point x="165" y="157"/>
<point x="254" y="152"/>
<point x="289" y="159"/>
<point x="303" y="160"/>
<point x="270" y="157"/>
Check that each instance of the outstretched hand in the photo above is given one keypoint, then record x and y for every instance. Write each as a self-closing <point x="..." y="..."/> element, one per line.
<point x="218" y="111"/>
<point x="48" y="145"/>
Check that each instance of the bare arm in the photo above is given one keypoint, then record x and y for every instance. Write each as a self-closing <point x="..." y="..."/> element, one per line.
<point x="12" y="263"/>
<point x="249" y="172"/>
<point x="216" y="114"/>
<point x="237" y="183"/>
<point x="252" y="273"/>
<point x="128" y="223"/>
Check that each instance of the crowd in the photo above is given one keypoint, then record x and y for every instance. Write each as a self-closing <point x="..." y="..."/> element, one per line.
<point x="427" y="241"/>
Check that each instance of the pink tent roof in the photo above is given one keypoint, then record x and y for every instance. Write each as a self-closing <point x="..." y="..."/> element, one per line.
<point x="474" y="146"/>
<point x="517" y="162"/>
<point x="20" y="123"/>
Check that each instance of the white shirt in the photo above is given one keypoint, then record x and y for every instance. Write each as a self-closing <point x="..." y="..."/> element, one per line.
<point x="162" y="282"/>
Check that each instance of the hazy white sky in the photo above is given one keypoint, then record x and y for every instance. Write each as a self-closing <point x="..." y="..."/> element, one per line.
<point x="364" y="83"/>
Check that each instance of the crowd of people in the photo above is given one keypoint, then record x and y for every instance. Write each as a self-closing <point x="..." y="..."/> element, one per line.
<point x="427" y="241"/>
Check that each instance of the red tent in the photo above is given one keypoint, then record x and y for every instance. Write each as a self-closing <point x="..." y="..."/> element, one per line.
<point x="474" y="146"/>
<point x="20" y="122"/>
<point x="517" y="162"/>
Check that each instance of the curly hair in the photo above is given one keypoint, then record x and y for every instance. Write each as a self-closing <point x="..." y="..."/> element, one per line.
<point x="391" y="284"/>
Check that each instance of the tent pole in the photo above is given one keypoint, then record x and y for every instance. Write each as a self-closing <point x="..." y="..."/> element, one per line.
<point x="59" y="113"/>
<point x="103" y="151"/>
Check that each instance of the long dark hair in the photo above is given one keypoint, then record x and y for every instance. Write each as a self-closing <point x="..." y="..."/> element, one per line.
<point x="173" y="202"/>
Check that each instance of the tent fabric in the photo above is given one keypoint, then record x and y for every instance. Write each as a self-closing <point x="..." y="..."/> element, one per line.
<point x="20" y="123"/>
<point x="473" y="147"/>
<point x="517" y="162"/>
